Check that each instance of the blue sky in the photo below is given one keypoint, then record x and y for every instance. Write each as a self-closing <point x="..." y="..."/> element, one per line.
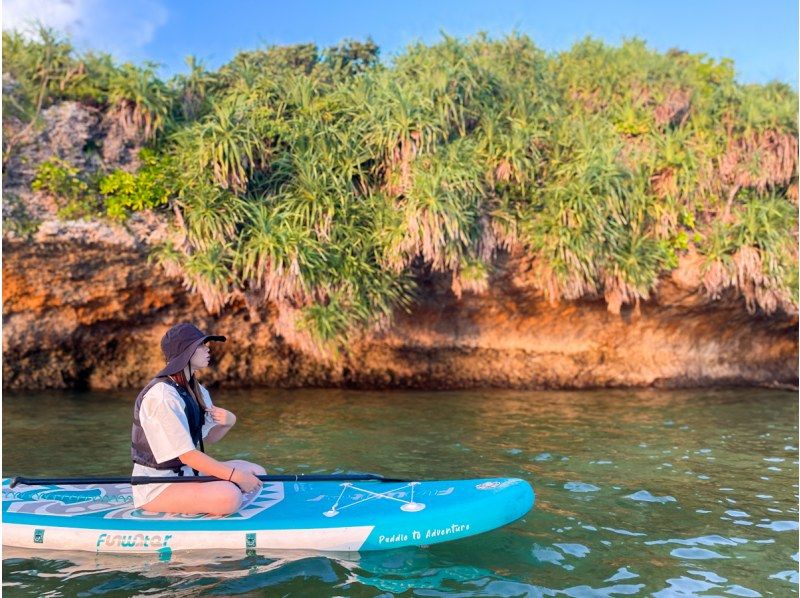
<point x="761" y="36"/>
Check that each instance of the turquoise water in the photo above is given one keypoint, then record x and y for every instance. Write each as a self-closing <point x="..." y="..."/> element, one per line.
<point x="638" y="493"/>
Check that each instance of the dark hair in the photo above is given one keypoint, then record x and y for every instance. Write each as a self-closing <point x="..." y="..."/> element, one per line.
<point x="192" y="385"/>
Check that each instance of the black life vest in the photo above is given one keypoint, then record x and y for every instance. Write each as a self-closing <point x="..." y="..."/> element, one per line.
<point x="140" y="448"/>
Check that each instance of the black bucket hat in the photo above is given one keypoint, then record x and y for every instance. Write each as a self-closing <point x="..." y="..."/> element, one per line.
<point x="179" y="344"/>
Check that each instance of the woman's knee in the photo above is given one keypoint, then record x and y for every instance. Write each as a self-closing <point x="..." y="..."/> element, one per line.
<point x="226" y="499"/>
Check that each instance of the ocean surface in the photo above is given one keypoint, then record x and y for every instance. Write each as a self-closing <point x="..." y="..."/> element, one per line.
<point x="638" y="493"/>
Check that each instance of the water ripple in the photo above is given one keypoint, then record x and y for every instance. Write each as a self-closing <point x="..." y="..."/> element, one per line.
<point x="710" y="540"/>
<point x="645" y="496"/>
<point x="696" y="554"/>
<point x="779" y="526"/>
<point x="580" y="487"/>
<point x="622" y="573"/>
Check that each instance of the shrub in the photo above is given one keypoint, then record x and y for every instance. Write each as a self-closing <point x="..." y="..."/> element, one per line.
<point x="74" y="195"/>
<point x="146" y="189"/>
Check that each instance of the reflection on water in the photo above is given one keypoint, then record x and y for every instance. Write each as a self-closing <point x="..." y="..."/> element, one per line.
<point x="638" y="493"/>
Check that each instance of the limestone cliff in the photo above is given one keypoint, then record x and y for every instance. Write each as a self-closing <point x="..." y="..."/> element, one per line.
<point x="84" y="308"/>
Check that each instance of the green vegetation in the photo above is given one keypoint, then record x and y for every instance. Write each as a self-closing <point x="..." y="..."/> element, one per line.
<point x="324" y="181"/>
<point x="64" y="183"/>
<point x="17" y="219"/>
<point x="147" y="189"/>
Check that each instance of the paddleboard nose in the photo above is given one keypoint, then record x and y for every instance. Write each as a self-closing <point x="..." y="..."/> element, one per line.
<point x="519" y="499"/>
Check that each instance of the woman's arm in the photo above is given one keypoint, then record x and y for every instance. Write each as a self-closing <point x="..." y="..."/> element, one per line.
<point x="209" y="466"/>
<point x="224" y="421"/>
<point x="205" y="464"/>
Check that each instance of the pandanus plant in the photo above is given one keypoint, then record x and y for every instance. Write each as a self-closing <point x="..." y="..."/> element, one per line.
<point x="324" y="182"/>
<point x="224" y="147"/>
<point x="140" y="100"/>
<point x="194" y="89"/>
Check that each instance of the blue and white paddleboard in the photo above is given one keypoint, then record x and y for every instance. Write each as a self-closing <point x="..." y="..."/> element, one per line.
<point x="306" y="515"/>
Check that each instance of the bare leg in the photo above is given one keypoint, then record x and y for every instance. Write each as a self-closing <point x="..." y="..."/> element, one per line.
<point x="214" y="498"/>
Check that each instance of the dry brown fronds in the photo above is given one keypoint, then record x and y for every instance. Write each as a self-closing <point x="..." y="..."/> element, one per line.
<point x="634" y="151"/>
<point x="716" y="279"/>
<point x="287" y="324"/>
<point x="666" y="223"/>
<point x="760" y="160"/>
<point x="675" y="109"/>
<point x="548" y="283"/>
<point x="758" y="289"/>
<point x="664" y="183"/>
<point x="171" y="268"/>
<point x="505" y="234"/>
<point x="591" y="101"/>
<point x="503" y="171"/>
<point x="488" y="241"/>
<point x="323" y="227"/>
<point x="281" y="284"/>
<point x="398" y="171"/>
<point x="214" y="299"/>
<point x="426" y="235"/>
<point x="180" y="234"/>
<point x="640" y="93"/>
<point x="476" y="286"/>
<point x="709" y="185"/>
<point x="545" y="279"/>
<point x="135" y="122"/>
<point x="748" y="274"/>
<point x="791" y="193"/>
<point x="617" y="293"/>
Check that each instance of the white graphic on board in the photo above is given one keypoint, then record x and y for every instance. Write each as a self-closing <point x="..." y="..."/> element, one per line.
<point x="497" y="484"/>
<point x="69" y="501"/>
<point x="409" y="506"/>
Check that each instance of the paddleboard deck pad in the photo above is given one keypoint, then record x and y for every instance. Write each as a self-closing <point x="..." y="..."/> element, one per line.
<point x="306" y="515"/>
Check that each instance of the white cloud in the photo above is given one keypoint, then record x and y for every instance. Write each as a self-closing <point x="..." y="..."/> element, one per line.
<point x="63" y="15"/>
<point x="121" y="28"/>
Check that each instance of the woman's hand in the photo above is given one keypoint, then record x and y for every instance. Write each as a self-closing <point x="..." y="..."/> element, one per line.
<point x="246" y="480"/>
<point x="222" y="417"/>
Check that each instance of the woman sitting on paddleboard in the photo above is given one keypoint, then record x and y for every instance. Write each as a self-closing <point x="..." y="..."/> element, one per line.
<point x="172" y="419"/>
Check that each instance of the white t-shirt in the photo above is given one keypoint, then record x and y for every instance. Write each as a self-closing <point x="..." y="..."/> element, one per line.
<point x="163" y="419"/>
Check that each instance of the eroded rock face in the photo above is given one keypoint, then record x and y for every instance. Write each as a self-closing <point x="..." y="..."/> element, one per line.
<point x="87" y="312"/>
<point x="82" y="136"/>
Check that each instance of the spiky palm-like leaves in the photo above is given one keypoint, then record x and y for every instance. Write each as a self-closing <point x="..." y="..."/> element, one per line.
<point x="195" y="89"/>
<point x="140" y="100"/>
<point x="229" y="142"/>
<point x="321" y="181"/>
